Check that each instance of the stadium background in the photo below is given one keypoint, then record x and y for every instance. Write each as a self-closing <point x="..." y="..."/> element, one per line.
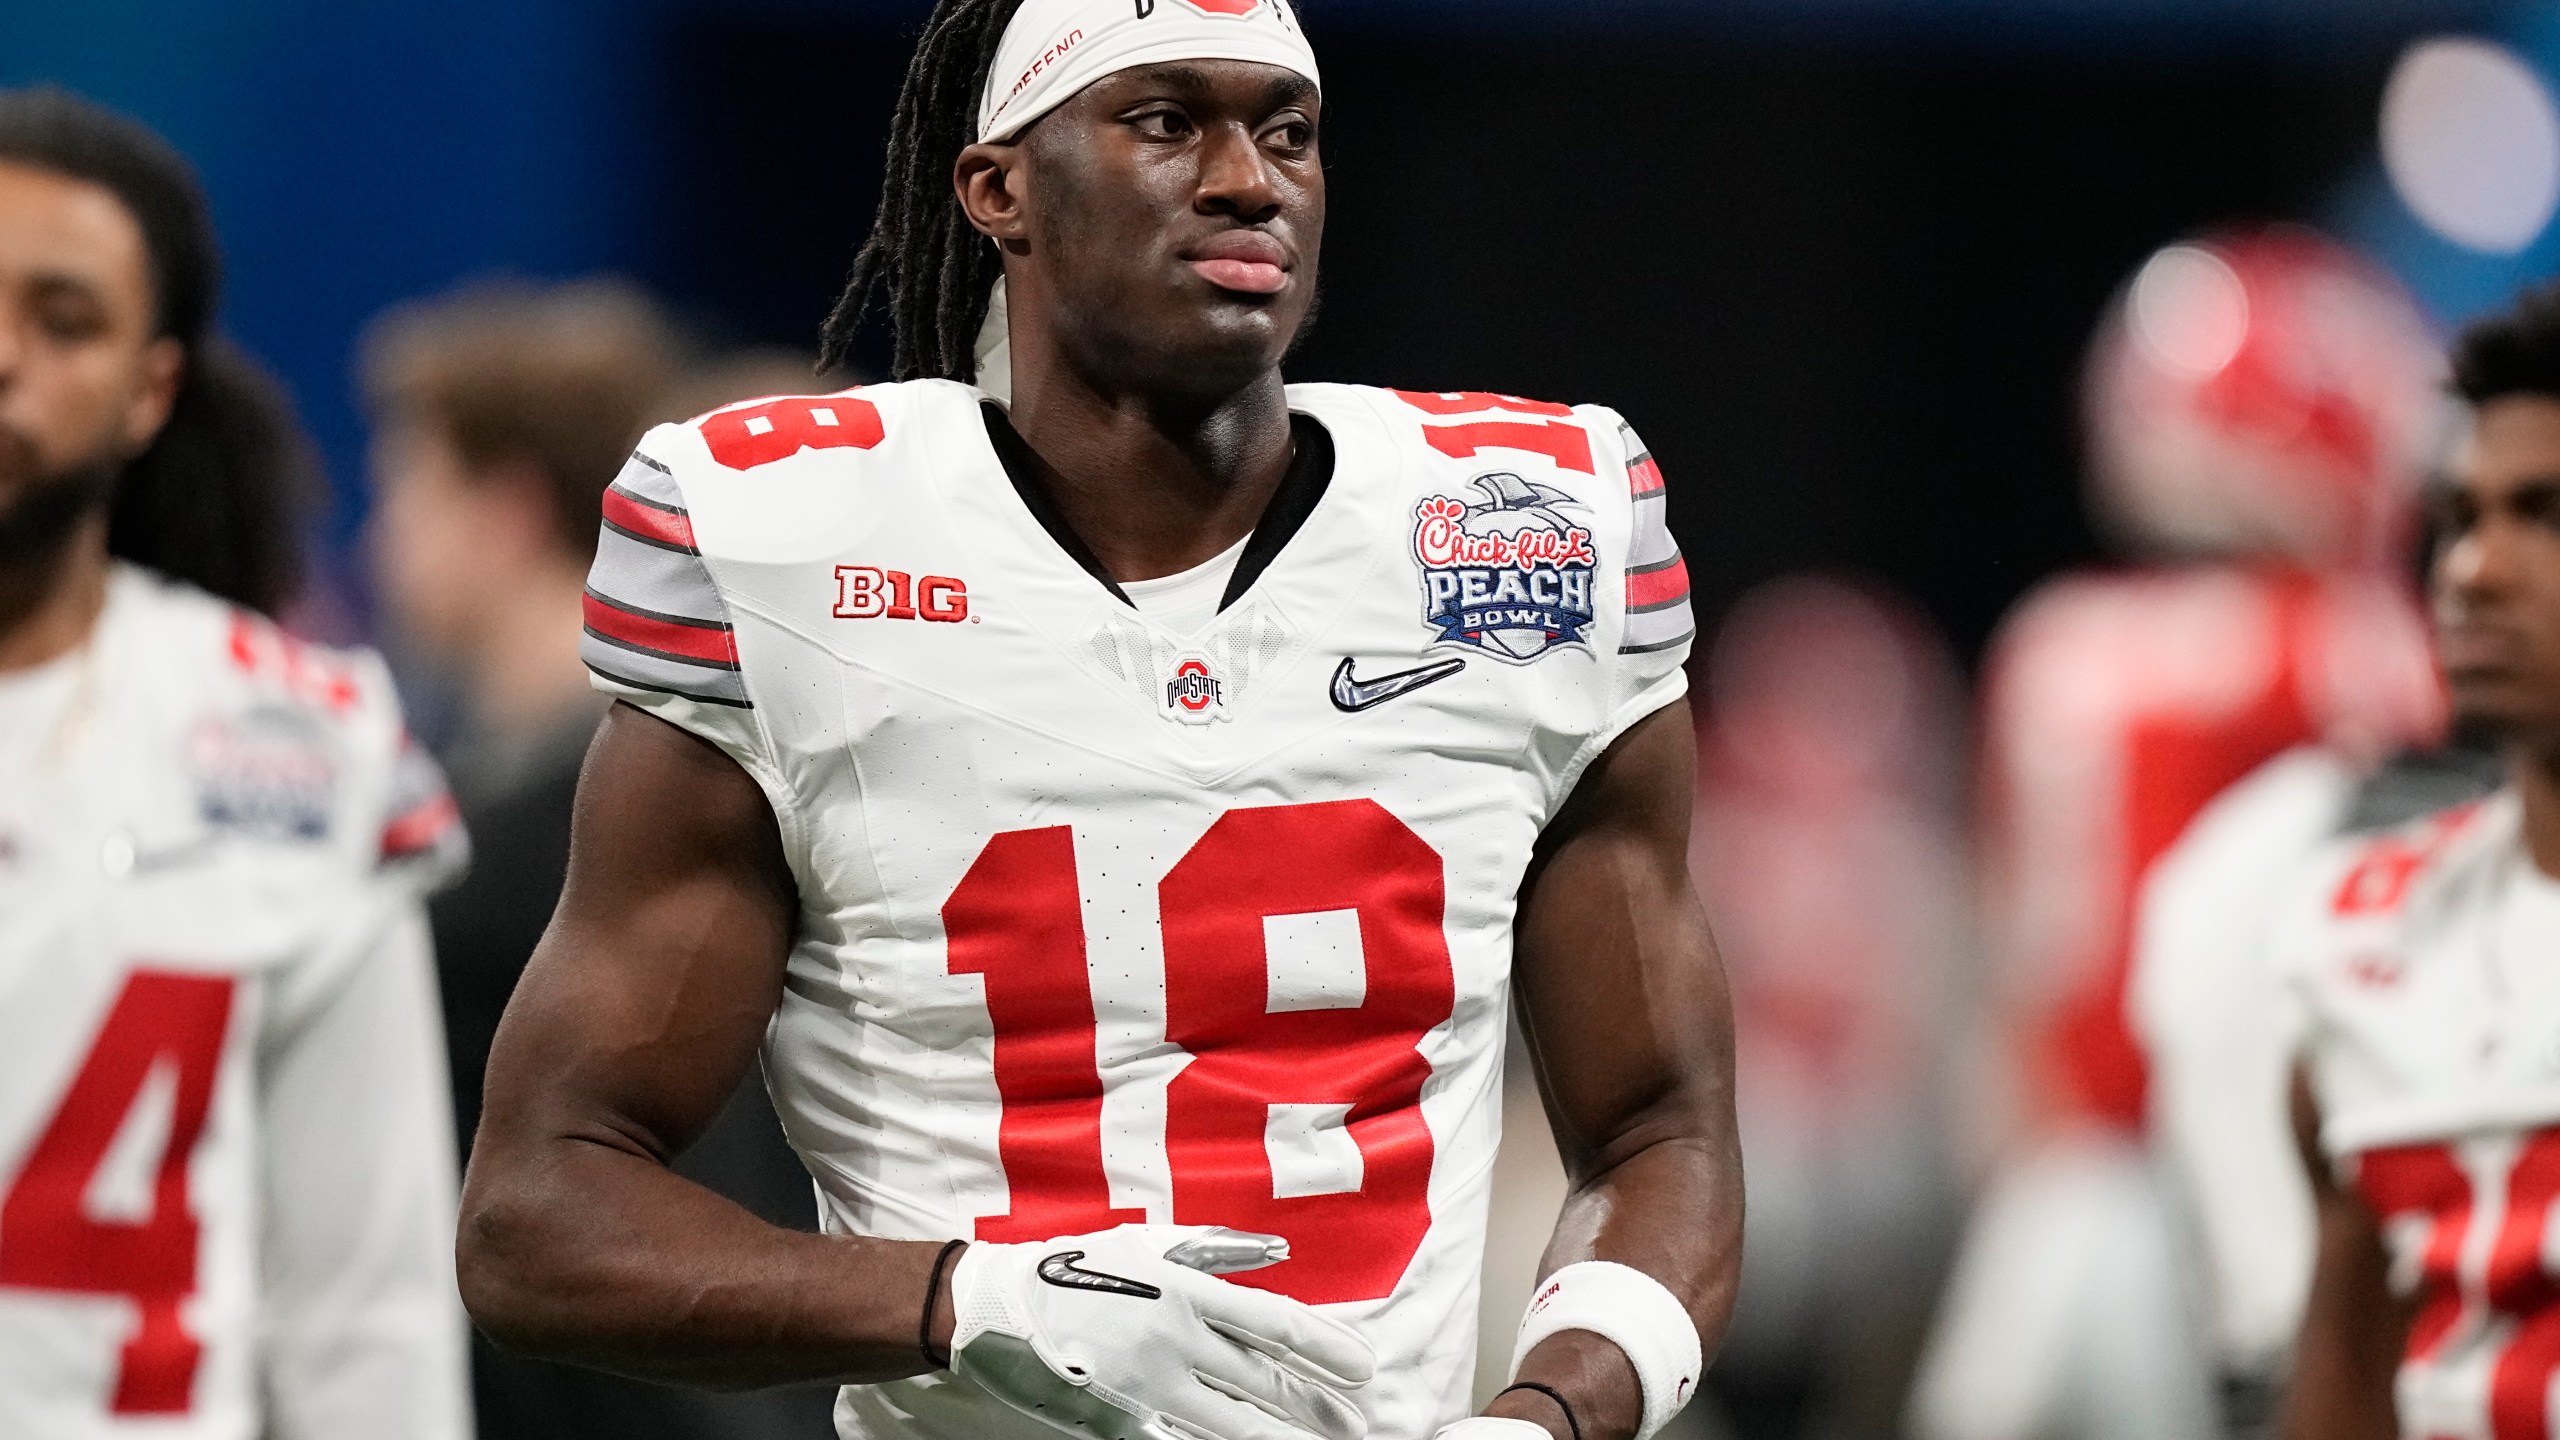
<point x="1838" y="259"/>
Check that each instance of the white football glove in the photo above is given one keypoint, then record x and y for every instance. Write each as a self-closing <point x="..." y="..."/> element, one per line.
<point x="1126" y="1335"/>
<point x="1486" y="1427"/>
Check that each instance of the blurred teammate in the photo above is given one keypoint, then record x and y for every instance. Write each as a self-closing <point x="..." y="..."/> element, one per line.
<point x="2258" y="407"/>
<point x="1829" y="764"/>
<point x="2427" y="968"/>
<point x="1143" y="797"/>
<point x="501" y="414"/>
<point x="226" y="1166"/>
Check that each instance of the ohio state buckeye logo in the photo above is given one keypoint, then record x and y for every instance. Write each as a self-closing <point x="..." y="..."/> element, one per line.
<point x="1194" y="694"/>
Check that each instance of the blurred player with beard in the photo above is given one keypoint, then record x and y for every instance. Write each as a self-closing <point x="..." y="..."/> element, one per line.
<point x="2426" y="968"/>
<point x="226" y="1164"/>
<point x="2259" y="405"/>
<point x="1124" y="795"/>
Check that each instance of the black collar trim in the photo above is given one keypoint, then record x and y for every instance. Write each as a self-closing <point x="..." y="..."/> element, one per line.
<point x="1310" y="474"/>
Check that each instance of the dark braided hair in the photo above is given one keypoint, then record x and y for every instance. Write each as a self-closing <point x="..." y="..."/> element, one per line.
<point x="935" y="266"/>
<point x="218" y="498"/>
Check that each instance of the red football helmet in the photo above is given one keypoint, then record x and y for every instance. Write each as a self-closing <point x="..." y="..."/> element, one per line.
<point x="2262" y="392"/>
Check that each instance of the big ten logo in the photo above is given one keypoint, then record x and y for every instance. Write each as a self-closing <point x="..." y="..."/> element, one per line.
<point x="864" y="592"/>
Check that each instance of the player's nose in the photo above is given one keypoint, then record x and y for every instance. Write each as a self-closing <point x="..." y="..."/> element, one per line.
<point x="2479" y="567"/>
<point x="1236" y="178"/>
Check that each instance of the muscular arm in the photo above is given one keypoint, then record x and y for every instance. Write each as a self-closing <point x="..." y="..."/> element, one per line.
<point x="1623" y="999"/>
<point x="2352" y="1329"/>
<point x="640" y="1013"/>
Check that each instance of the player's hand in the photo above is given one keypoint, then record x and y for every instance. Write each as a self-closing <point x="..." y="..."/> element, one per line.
<point x="1486" y="1427"/>
<point x="1128" y="1335"/>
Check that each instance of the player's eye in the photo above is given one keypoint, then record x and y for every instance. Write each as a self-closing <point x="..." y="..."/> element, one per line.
<point x="1165" y="123"/>
<point x="68" y="318"/>
<point x="2451" y="514"/>
<point x="2539" y="504"/>
<point x="1291" y="134"/>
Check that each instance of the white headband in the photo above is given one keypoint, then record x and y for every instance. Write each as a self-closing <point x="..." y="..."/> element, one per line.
<point x="1055" y="48"/>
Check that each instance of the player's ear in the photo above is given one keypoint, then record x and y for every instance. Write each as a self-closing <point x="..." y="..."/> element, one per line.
<point x="989" y="179"/>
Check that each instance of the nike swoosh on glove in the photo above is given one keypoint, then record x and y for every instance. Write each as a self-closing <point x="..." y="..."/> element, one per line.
<point x="1127" y="1334"/>
<point x="1487" y="1427"/>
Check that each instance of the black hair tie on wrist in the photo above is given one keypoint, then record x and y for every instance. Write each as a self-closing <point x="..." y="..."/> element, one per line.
<point x="1570" y="1423"/>
<point x="933" y="1292"/>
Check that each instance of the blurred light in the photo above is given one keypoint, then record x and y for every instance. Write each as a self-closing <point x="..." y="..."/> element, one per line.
<point x="2190" y="310"/>
<point x="2471" y="139"/>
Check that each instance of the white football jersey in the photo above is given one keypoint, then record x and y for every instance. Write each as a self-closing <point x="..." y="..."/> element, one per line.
<point x="226" y="1158"/>
<point x="1103" y="923"/>
<point x="2427" y="967"/>
<point x="2204" y="1001"/>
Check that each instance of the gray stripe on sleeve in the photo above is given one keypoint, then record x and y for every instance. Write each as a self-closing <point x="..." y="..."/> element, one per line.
<point x="1658" y="629"/>
<point x="642" y="670"/>
<point x="1650" y="545"/>
<point x="651" y="481"/>
<point x="649" y="578"/>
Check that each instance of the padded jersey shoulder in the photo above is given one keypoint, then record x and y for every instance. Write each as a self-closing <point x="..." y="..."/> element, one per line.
<point x="280" y="731"/>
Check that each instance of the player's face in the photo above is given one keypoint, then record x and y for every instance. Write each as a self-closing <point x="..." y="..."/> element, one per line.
<point x="1175" y="213"/>
<point x="2497" y="576"/>
<point x="84" y="383"/>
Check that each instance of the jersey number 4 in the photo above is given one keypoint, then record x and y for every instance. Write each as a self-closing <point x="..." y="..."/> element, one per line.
<point x="51" y="1234"/>
<point x="1017" y="919"/>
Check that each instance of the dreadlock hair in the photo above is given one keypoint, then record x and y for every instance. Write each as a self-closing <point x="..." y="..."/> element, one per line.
<point x="935" y="266"/>
<point x="217" y="498"/>
<point x="2514" y="353"/>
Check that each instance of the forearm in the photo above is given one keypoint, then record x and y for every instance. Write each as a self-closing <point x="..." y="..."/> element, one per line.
<point x="596" y="1254"/>
<point x="1672" y="1209"/>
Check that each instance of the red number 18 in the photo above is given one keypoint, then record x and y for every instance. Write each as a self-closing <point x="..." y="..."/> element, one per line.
<point x="1016" y="918"/>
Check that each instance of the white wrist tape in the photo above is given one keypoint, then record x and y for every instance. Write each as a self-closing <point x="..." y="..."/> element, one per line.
<point x="1631" y="1310"/>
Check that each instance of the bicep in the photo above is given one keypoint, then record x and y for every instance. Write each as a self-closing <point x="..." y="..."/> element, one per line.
<point x="645" y="1002"/>
<point x="1619" y="988"/>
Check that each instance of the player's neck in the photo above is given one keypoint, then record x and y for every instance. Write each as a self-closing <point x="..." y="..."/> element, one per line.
<point x="2535" y="772"/>
<point x="50" y="603"/>
<point x="1153" y="487"/>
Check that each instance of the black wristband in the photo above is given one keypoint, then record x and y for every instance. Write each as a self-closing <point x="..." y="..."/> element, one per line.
<point x="933" y="1292"/>
<point x="1570" y="1423"/>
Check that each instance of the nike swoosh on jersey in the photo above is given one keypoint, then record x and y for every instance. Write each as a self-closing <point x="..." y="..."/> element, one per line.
<point x="1351" y="696"/>
<point x="1061" y="1270"/>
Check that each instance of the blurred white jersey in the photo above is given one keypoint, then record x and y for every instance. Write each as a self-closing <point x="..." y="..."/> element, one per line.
<point x="2207" y="1006"/>
<point x="226" y="1162"/>
<point x="2424" y="965"/>
<point x="1105" y="923"/>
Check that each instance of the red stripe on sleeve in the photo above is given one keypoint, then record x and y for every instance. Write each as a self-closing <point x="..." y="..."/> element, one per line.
<point x="648" y="521"/>
<point x="420" y="829"/>
<point x="1658" y="587"/>
<point x="1643" y="477"/>
<point x="712" y="645"/>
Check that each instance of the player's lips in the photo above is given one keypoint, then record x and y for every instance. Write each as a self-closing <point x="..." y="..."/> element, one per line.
<point x="1246" y="261"/>
<point x="2469" y="648"/>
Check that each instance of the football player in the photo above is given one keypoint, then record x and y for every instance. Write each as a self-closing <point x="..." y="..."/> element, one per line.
<point x="226" y="1155"/>
<point x="2259" y="407"/>
<point x="1124" y="796"/>
<point x="2426" y="965"/>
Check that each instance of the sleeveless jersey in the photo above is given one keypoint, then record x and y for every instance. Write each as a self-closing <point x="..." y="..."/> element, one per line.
<point x="1103" y="923"/>
<point x="2117" y="705"/>
<point x="226" y="1162"/>
<point x="2426" y="969"/>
